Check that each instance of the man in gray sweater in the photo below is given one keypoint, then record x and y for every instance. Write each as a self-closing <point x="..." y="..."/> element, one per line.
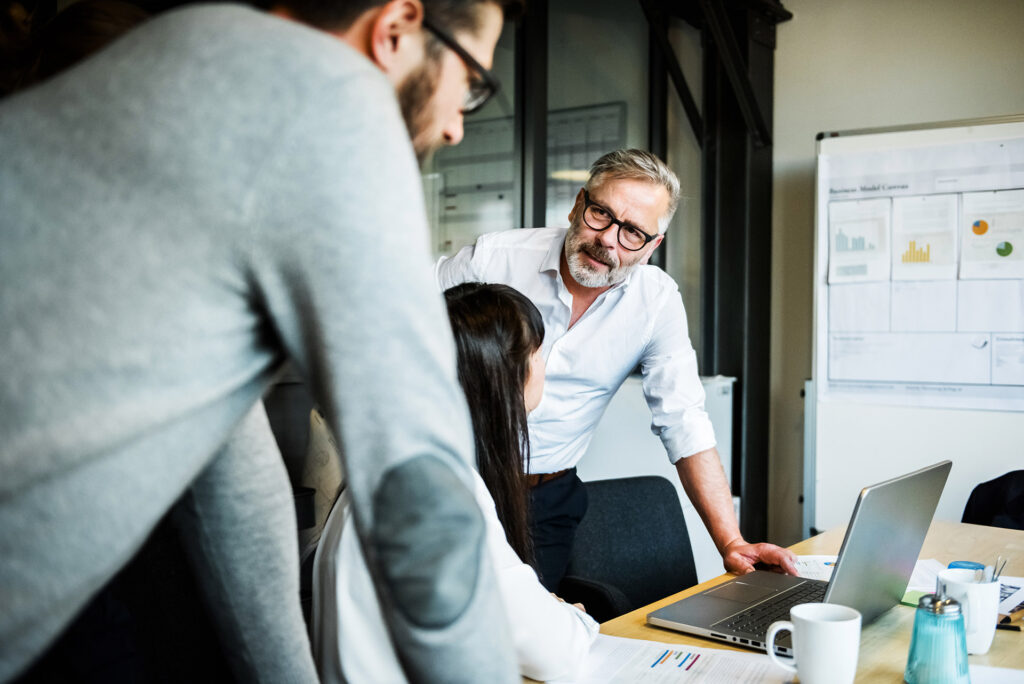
<point x="217" y="193"/>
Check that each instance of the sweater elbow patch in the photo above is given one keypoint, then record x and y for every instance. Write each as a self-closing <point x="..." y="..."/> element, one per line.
<point x="428" y="538"/>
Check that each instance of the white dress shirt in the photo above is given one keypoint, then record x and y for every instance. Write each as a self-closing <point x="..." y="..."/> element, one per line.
<point x="640" y="321"/>
<point x="351" y="643"/>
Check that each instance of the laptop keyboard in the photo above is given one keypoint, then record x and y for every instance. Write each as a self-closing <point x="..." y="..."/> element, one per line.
<point x="758" y="619"/>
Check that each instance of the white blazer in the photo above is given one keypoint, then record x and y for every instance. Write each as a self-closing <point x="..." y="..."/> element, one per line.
<point x="350" y="640"/>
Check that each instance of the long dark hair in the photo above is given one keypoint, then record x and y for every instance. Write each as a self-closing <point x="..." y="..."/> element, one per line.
<point x="496" y="331"/>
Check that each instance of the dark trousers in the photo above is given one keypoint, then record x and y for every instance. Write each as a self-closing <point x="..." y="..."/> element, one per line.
<point x="556" y="509"/>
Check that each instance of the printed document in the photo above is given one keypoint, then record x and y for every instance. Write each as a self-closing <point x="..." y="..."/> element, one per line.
<point x="614" y="659"/>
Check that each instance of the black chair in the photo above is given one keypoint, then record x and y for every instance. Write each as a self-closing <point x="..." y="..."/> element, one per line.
<point x="148" y="624"/>
<point x="998" y="502"/>
<point x="631" y="548"/>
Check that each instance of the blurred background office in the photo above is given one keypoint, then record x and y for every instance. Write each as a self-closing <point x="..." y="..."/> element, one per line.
<point x="732" y="94"/>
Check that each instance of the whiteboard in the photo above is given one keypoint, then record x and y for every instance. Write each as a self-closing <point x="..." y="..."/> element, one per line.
<point x="919" y="311"/>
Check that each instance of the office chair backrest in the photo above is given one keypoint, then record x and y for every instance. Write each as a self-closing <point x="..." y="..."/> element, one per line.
<point x="998" y="502"/>
<point x="147" y="624"/>
<point x="631" y="548"/>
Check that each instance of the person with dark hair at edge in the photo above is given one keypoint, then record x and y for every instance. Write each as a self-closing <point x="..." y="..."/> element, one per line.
<point x="202" y="201"/>
<point x="79" y="30"/>
<point x="606" y="312"/>
<point x="498" y="336"/>
<point x="15" y="44"/>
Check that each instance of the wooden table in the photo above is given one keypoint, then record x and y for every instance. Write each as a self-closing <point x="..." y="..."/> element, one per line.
<point x="884" y="643"/>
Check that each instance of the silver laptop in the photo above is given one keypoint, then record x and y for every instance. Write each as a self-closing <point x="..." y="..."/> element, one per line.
<point x="881" y="546"/>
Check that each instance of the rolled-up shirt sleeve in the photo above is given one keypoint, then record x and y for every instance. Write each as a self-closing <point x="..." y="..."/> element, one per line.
<point x="671" y="385"/>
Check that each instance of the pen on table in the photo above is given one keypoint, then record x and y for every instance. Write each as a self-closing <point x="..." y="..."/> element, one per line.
<point x="1012" y="621"/>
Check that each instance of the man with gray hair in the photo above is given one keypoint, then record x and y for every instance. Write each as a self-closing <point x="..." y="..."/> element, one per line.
<point x="605" y="312"/>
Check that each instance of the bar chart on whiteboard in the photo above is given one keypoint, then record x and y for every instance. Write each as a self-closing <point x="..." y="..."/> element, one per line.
<point x="924" y="291"/>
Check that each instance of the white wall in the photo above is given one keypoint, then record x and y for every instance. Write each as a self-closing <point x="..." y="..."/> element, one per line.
<point x="849" y="65"/>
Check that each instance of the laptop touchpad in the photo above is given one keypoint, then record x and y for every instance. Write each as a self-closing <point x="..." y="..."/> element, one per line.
<point x="740" y="591"/>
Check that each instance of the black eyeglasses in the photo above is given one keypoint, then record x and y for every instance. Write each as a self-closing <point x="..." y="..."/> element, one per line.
<point x="482" y="83"/>
<point x="598" y="218"/>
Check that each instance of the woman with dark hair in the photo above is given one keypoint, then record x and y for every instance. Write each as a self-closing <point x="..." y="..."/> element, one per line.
<point x="498" y="335"/>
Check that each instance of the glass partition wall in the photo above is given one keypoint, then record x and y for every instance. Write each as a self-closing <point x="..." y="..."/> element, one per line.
<point x="597" y="101"/>
<point x="597" y="91"/>
<point x="472" y="188"/>
<point x="581" y="78"/>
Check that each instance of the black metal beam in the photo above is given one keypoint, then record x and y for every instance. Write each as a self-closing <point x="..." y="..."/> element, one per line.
<point x="717" y="23"/>
<point x="657" y="110"/>
<point x="733" y="129"/>
<point x="658" y="23"/>
<point x="709" y="211"/>
<point x="736" y="289"/>
<point x="691" y="13"/>
<point x="531" y="136"/>
<point x="760" y="58"/>
<point x="771" y="10"/>
<point x="657" y="95"/>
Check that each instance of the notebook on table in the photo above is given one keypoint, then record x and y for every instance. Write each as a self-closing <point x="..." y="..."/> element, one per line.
<point x="881" y="546"/>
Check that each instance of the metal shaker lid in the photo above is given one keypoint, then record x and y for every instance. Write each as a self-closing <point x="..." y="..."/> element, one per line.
<point x="940" y="605"/>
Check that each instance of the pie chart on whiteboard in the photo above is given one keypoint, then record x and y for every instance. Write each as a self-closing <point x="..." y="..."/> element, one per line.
<point x="980" y="227"/>
<point x="1004" y="249"/>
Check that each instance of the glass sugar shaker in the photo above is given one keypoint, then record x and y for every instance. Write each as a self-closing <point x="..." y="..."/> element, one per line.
<point x="938" y="646"/>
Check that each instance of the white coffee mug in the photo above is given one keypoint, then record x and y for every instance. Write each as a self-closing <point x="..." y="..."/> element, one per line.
<point x="979" y="601"/>
<point x="826" y="640"/>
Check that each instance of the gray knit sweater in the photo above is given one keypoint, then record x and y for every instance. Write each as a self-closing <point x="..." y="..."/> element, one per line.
<point x="214" y="194"/>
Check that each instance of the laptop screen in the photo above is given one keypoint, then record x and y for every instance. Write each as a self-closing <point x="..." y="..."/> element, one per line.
<point x="884" y="539"/>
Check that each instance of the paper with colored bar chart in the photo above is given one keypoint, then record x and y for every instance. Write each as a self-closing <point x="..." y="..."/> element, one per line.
<point x="614" y="659"/>
<point x="993" y="234"/>
<point x="924" y="237"/>
<point x="858" y="241"/>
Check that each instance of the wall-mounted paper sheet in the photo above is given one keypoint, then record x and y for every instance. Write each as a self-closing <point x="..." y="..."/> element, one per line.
<point x="924" y="237"/>
<point x="924" y="306"/>
<point x="858" y="240"/>
<point x="858" y="307"/>
<point x="993" y="234"/>
<point x="990" y="305"/>
<point x="911" y="358"/>
<point x="1008" y="359"/>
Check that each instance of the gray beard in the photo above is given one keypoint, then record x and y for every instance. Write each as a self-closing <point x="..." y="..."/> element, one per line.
<point x="585" y="274"/>
<point x="414" y="98"/>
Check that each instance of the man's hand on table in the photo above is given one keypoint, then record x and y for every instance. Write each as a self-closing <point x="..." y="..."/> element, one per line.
<point x="740" y="558"/>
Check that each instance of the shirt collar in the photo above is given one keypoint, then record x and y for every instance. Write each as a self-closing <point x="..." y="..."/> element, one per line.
<point x="552" y="260"/>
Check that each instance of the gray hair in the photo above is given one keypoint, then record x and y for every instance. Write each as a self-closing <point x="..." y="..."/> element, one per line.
<point x="636" y="164"/>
